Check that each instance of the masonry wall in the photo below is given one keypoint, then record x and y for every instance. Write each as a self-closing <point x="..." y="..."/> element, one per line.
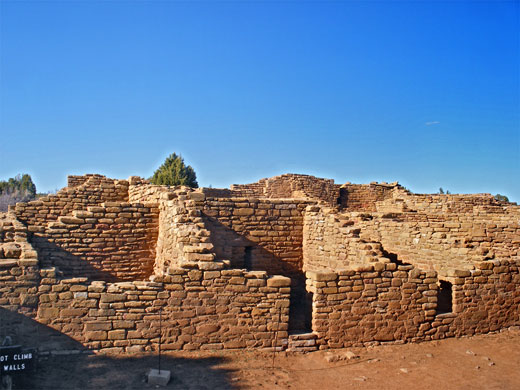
<point x="371" y="303"/>
<point x="19" y="271"/>
<point x="225" y="309"/>
<point x="363" y="197"/>
<point x="78" y="180"/>
<point x="284" y="186"/>
<point x="430" y="204"/>
<point x="86" y="191"/>
<point x="183" y="238"/>
<point x="302" y="186"/>
<point x="113" y="242"/>
<point x="271" y="229"/>
<point x="362" y="289"/>
<point x="444" y="242"/>
<point x="331" y="241"/>
<point x="141" y="191"/>
<point x="388" y="302"/>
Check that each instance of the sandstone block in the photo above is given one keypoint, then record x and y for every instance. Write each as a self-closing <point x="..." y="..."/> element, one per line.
<point x="27" y="262"/>
<point x="12" y="250"/>
<point x="243" y="211"/>
<point x="71" y="220"/>
<point x="118" y="334"/>
<point x="112" y="298"/>
<point x="98" y="335"/>
<point x="94" y="326"/>
<point x="234" y="344"/>
<point x="278" y="281"/>
<point x="207" y="328"/>
<point x="321" y="276"/>
<point x="48" y="312"/>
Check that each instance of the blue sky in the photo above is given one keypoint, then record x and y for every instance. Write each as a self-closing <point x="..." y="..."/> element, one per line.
<point x="424" y="93"/>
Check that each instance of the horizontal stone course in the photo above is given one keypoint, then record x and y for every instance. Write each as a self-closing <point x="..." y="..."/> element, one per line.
<point x="226" y="268"/>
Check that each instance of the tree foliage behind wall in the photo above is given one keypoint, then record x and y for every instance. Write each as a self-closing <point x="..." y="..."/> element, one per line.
<point x="174" y="172"/>
<point x="16" y="189"/>
<point x="501" y="198"/>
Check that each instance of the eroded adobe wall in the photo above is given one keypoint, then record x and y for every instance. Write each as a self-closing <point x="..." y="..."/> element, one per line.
<point x="387" y="302"/>
<point x="200" y="310"/>
<point x="271" y="229"/>
<point x="112" y="242"/>
<point x="89" y="190"/>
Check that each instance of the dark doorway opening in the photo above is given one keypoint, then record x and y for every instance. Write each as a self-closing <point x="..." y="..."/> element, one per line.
<point x="300" y="311"/>
<point x="248" y="258"/>
<point x="444" y="297"/>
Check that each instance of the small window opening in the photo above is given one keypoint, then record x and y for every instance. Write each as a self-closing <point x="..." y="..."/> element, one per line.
<point x="248" y="258"/>
<point x="444" y="298"/>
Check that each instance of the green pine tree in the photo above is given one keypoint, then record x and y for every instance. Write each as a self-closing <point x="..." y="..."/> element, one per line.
<point x="501" y="198"/>
<point x="20" y="184"/>
<point x="27" y="186"/>
<point x="174" y="172"/>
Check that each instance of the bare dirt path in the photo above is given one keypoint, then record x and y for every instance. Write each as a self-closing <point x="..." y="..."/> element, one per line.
<point x="482" y="362"/>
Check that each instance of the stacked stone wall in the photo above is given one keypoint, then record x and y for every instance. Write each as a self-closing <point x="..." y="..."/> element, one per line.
<point x="19" y="271"/>
<point x="252" y="190"/>
<point x="375" y="263"/>
<point x="225" y="309"/>
<point x="140" y="191"/>
<point x="443" y="242"/>
<point x="86" y="191"/>
<point x="226" y="193"/>
<point x="183" y="237"/>
<point x="332" y="241"/>
<point x="371" y="303"/>
<point x="272" y="229"/>
<point x="78" y="180"/>
<point x="285" y="186"/>
<point x="403" y="200"/>
<point x="115" y="241"/>
<point x="386" y="302"/>
<point x="363" y="197"/>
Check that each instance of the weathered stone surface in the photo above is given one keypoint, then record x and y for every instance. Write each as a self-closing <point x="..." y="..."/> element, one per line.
<point x="382" y="264"/>
<point x="278" y="281"/>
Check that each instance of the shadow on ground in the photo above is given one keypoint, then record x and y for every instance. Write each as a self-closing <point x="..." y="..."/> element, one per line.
<point x="109" y="372"/>
<point x="64" y="363"/>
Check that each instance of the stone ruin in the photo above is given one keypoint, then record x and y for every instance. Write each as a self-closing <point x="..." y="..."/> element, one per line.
<point x="292" y="262"/>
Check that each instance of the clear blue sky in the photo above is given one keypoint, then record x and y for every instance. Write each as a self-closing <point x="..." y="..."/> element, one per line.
<point x="425" y="93"/>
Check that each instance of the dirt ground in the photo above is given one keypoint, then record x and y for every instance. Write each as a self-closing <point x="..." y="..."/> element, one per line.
<point x="482" y="362"/>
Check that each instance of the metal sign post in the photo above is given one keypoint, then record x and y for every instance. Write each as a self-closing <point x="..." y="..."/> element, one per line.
<point x="159" y="377"/>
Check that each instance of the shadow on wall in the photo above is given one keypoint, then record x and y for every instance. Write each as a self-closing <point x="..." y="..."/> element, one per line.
<point x="70" y="265"/>
<point x="83" y="370"/>
<point x="244" y="253"/>
<point x="30" y="333"/>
